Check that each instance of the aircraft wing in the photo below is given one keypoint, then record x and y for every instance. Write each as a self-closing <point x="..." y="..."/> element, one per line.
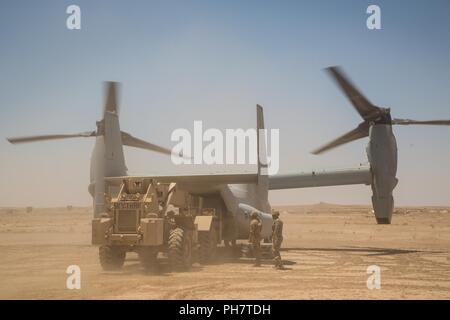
<point x="360" y="175"/>
<point x="213" y="179"/>
<point x="323" y="178"/>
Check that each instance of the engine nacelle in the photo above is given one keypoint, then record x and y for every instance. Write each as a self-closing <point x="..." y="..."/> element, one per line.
<point x="382" y="155"/>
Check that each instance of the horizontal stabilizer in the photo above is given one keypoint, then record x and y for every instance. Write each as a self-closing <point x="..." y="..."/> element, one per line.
<point x="361" y="175"/>
<point x="213" y="179"/>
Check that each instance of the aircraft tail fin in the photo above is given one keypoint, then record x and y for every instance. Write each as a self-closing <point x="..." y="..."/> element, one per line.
<point x="263" y="179"/>
<point x="262" y="152"/>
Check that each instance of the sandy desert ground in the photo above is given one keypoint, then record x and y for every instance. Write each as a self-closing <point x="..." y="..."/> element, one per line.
<point x="327" y="251"/>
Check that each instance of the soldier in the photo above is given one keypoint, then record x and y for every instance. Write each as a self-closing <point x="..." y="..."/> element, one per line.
<point x="255" y="237"/>
<point x="171" y="222"/>
<point x="277" y="238"/>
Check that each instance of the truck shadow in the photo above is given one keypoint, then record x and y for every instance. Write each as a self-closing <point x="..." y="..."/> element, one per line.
<point x="132" y="266"/>
<point x="163" y="268"/>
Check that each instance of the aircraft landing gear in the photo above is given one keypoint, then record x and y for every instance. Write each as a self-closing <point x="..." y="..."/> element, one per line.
<point x="207" y="245"/>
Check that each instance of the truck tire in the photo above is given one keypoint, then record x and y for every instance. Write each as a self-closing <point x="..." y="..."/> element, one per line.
<point x="207" y="246"/>
<point x="147" y="258"/>
<point x="179" y="249"/>
<point x="111" y="257"/>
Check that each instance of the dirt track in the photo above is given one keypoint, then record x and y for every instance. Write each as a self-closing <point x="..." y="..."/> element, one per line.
<point x="327" y="251"/>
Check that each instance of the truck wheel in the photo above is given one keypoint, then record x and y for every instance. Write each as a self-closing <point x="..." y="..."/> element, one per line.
<point x="180" y="249"/>
<point x="111" y="257"/>
<point x="207" y="246"/>
<point x="147" y="257"/>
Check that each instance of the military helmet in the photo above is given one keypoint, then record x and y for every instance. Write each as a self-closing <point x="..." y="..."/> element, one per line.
<point x="275" y="214"/>
<point x="254" y="215"/>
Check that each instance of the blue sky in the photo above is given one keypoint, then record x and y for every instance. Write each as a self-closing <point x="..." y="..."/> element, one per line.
<point x="181" y="61"/>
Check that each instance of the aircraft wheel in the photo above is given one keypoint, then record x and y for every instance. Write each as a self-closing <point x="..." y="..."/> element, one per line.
<point x="180" y="249"/>
<point x="207" y="246"/>
<point x="111" y="257"/>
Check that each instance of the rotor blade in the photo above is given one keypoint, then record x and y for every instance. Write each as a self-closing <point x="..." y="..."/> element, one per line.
<point x="427" y="122"/>
<point x="51" y="137"/>
<point x="359" y="132"/>
<point x="111" y="89"/>
<point x="364" y="107"/>
<point x="129" y="140"/>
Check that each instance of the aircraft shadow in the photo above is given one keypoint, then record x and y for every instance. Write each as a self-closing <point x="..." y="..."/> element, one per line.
<point x="369" y="250"/>
<point x="227" y="255"/>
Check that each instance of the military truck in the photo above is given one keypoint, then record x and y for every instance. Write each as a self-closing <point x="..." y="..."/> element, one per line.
<point x="151" y="217"/>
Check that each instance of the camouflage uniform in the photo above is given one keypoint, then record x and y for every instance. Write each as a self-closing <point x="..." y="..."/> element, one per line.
<point x="255" y="237"/>
<point x="277" y="239"/>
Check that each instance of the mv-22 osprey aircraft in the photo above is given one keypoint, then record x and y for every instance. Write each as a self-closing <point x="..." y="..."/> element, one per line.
<point x="178" y="214"/>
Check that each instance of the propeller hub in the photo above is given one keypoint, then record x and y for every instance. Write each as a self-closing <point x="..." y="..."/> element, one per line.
<point x="383" y="116"/>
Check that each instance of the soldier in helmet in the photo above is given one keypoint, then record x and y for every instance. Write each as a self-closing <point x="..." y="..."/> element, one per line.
<point x="277" y="238"/>
<point x="255" y="237"/>
<point x="171" y="222"/>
